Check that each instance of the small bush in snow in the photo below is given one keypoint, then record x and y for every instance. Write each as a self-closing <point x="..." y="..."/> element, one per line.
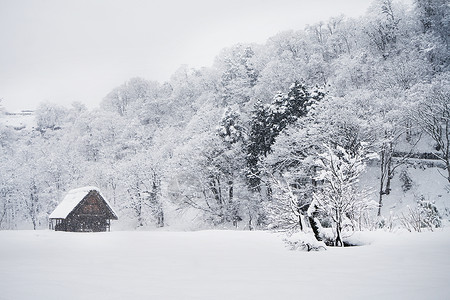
<point x="302" y="241"/>
<point x="430" y="214"/>
<point x="424" y="215"/>
<point x="385" y="223"/>
<point x="406" y="180"/>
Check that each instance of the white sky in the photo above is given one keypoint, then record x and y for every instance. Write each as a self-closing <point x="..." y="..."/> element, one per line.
<point x="79" y="50"/>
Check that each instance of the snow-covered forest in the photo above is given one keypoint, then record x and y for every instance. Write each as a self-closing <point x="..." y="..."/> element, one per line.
<point x="342" y="125"/>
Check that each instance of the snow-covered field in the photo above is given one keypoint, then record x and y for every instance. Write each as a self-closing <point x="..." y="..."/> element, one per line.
<point x="219" y="265"/>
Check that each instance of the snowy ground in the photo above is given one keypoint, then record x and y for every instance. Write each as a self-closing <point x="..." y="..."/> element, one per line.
<point x="219" y="265"/>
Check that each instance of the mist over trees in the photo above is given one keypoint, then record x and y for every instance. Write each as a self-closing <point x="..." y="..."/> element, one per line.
<point x="252" y="140"/>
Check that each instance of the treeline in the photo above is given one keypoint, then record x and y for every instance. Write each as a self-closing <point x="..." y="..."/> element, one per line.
<point x="254" y="139"/>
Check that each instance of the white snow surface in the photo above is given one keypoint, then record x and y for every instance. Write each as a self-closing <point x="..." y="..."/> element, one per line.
<point x="220" y="265"/>
<point x="19" y="120"/>
<point x="72" y="199"/>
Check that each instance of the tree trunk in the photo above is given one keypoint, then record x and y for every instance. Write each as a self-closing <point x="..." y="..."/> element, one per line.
<point x="388" y="169"/>
<point x="300" y="223"/>
<point x="386" y="173"/>
<point x="448" y="170"/>
<point x="315" y="227"/>
<point x="381" y="192"/>
<point x="380" y="201"/>
<point x="269" y="191"/>
<point x="339" y="241"/>
<point x="408" y="131"/>
<point x="216" y="192"/>
<point x="230" y="191"/>
<point x="160" y="221"/>
<point x="250" y="221"/>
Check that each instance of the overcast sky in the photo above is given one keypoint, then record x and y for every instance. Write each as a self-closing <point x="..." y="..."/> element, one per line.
<point x="78" y="50"/>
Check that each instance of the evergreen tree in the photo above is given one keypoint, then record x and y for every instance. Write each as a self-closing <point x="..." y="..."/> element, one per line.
<point x="269" y="120"/>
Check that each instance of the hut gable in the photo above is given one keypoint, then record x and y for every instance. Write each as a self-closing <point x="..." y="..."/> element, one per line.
<point x="83" y="209"/>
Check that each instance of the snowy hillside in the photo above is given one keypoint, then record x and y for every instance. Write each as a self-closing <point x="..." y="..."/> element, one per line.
<point x="219" y="265"/>
<point x="426" y="183"/>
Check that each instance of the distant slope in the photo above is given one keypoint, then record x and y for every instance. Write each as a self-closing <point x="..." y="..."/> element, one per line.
<point x="24" y="119"/>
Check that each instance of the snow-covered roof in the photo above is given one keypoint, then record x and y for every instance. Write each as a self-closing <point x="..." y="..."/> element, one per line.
<point x="72" y="199"/>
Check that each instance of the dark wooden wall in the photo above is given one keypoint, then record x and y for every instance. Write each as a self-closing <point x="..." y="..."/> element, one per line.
<point x="92" y="214"/>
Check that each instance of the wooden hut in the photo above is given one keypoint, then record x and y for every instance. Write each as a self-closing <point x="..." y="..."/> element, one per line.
<point x="83" y="210"/>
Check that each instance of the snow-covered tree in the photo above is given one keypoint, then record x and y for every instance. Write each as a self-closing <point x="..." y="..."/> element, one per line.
<point x="9" y="208"/>
<point x="433" y="16"/>
<point x="382" y="29"/>
<point x="340" y="198"/>
<point x="287" y="209"/>
<point x="238" y="74"/>
<point x="432" y="113"/>
<point x="268" y="121"/>
<point x="140" y="187"/>
<point x="50" y="116"/>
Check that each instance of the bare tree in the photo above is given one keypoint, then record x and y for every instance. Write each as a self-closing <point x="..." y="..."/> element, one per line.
<point x="433" y="115"/>
<point x="339" y="198"/>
